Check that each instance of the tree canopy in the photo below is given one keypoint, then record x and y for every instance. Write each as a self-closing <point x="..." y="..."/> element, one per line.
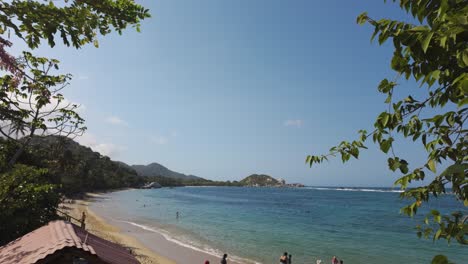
<point x="433" y="51"/>
<point x="32" y="105"/>
<point x="31" y="101"/>
<point x="75" y="22"/>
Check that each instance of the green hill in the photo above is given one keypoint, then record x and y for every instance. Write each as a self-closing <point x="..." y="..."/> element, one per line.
<point x="260" y="180"/>
<point x="156" y="169"/>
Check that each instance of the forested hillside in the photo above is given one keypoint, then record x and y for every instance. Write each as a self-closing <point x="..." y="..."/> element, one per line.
<point x="156" y="169"/>
<point x="76" y="168"/>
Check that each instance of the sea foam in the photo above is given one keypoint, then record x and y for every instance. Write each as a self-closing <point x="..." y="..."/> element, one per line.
<point x="354" y="189"/>
<point x="189" y="243"/>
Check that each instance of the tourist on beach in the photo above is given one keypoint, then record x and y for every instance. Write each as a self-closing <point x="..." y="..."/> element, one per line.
<point x="334" y="260"/>
<point x="224" y="261"/>
<point x="177" y="215"/>
<point x="290" y="259"/>
<point x="207" y="262"/>
<point x="319" y="261"/>
<point x="284" y="258"/>
<point x="341" y="261"/>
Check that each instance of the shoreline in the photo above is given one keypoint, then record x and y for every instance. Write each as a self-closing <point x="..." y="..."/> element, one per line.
<point x="147" y="244"/>
<point x="96" y="225"/>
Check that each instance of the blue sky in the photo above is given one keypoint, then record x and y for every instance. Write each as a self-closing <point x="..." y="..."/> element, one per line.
<point x="223" y="89"/>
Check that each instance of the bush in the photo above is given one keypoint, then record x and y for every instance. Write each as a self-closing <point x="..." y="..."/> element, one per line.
<point x="27" y="201"/>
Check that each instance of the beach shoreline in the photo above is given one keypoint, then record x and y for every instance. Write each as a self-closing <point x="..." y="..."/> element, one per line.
<point x="147" y="244"/>
<point x="96" y="225"/>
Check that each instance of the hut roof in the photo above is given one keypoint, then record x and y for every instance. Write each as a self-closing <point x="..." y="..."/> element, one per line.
<point x="57" y="236"/>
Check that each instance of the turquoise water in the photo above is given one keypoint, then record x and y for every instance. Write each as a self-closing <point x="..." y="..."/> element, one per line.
<point x="259" y="224"/>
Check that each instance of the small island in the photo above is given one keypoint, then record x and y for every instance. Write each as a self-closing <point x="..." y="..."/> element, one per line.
<point x="263" y="180"/>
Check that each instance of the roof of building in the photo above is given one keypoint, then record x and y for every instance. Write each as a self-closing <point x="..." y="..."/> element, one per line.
<point x="58" y="235"/>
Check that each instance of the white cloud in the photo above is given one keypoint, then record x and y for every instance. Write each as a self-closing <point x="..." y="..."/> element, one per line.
<point x="106" y="149"/>
<point x="294" y="123"/>
<point x="49" y="111"/>
<point x="114" y="120"/>
<point x="109" y="149"/>
<point x="159" y="140"/>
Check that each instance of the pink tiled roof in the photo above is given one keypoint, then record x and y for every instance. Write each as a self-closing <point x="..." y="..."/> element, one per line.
<point x="57" y="235"/>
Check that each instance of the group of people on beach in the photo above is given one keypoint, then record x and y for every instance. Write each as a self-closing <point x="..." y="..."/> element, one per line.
<point x="285" y="259"/>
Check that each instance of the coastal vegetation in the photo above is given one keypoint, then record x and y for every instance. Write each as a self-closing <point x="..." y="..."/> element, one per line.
<point x="254" y="180"/>
<point x="32" y="104"/>
<point x="431" y="50"/>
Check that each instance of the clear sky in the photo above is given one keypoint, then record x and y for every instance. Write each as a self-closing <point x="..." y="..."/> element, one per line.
<point x="224" y="89"/>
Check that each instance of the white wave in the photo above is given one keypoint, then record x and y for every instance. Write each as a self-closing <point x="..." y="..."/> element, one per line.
<point x="353" y="189"/>
<point x="189" y="244"/>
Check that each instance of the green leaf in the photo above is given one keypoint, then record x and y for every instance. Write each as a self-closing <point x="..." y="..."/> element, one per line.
<point x="440" y="259"/>
<point x="385" y="119"/>
<point x="443" y="40"/>
<point x="386" y="144"/>
<point x="362" y="18"/>
<point x="465" y="57"/>
<point x="463" y="102"/>
<point x="419" y="29"/>
<point x="431" y="165"/>
<point x="426" y="41"/>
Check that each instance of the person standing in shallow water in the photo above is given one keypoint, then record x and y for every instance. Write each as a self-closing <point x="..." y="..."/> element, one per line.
<point x="224" y="259"/>
<point x="290" y="259"/>
<point x="334" y="260"/>
<point x="284" y="258"/>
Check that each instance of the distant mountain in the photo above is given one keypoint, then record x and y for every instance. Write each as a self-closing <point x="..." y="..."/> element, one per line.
<point x="260" y="180"/>
<point x="156" y="169"/>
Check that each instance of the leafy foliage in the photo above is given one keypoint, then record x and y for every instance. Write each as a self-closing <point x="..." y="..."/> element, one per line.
<point x="31" y="106"/>
<point x="30" y="98"/>
<point x="435" y="54"/>
<point x="75" y="22"/>
<point x="34" y="105"/>
<point x="27" y="201"/>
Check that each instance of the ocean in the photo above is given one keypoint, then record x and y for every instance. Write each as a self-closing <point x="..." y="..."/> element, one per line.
<point x="256" y="225"/>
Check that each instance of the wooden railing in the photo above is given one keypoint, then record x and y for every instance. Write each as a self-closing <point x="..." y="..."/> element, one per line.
<point x="69" y="218"/>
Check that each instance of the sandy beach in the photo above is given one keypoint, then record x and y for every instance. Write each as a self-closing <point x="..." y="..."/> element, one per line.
<point x="147" y="246"/>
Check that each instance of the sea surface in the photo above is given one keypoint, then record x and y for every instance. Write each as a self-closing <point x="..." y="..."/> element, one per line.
<point x="256" y="225"/>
